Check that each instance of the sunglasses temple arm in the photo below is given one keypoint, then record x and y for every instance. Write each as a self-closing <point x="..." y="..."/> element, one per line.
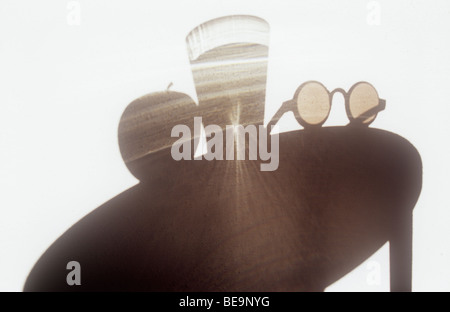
<point x="382" y="105"/>
<point x="285" y="107"/>
<point x="374" y="110"/>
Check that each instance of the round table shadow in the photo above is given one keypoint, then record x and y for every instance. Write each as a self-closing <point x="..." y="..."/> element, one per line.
<point x="338" y="195"/>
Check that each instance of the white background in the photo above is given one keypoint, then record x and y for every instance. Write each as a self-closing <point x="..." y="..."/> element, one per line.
<point x="64" y="86"/>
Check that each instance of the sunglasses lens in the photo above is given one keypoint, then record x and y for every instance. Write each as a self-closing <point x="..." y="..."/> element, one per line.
<point x="363" y="98"/>
<point x="313" y="103"/>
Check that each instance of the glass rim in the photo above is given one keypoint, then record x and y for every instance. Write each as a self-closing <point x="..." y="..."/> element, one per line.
<point x="227" y="30"/>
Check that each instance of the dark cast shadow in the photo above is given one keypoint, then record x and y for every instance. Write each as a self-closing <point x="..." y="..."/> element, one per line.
<point x="338" y="195"/>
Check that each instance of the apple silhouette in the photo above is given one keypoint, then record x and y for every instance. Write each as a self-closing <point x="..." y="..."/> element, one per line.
<point x="146" y="128"/>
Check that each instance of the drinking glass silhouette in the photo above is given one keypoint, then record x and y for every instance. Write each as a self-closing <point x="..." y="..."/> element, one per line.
<point x="228" y="57"/>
